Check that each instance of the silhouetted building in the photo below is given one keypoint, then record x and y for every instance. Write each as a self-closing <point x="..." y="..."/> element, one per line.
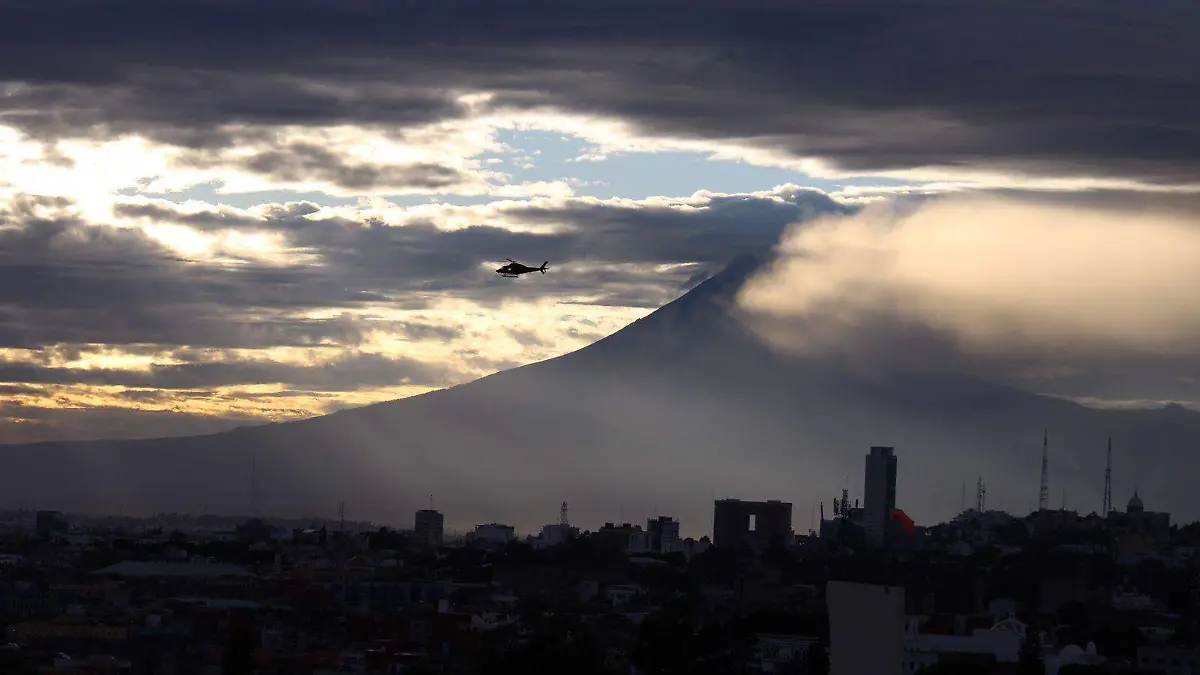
<point x="879" y="493"/>
<point x="50" y="524"/>
<point x="624" y="537"/>
<point x="846" y="531"/>
<point x="1138" y="531"/>
<point x="739" y="524"/>
<point x="255" y="529"/>
<point x="427" y="528"/>
<point x="663" y="534"/>
<point x="493" y="535"/>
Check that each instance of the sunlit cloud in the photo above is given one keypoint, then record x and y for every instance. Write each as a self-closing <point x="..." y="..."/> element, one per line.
<point x="95" y="186"/>
<point x="435" y="334"/>
<point x="1025" y="290"/>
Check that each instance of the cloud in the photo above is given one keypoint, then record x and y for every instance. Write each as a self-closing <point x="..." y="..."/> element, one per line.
<point x="70" y="281"/>
<point x="209" y="312"/>
<point x="1072" y="300"/>
<point x="1104" y="91"/>
<point x="345" y="373"/>
<point x="303" y="163"/>
<point x="338" y="161"/>
<point x="595" y="246"/>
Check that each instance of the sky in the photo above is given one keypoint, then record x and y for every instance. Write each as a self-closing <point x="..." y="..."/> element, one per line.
<point x="215" y="213"/>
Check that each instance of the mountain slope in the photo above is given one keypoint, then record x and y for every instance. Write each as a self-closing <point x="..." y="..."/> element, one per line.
<point x="660" y="416"/>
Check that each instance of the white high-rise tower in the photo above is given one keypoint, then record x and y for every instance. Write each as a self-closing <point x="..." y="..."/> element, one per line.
<point x="879" y="492"/>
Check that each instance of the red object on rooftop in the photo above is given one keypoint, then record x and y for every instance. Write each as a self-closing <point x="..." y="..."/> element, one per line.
<point x="907" y="522"/>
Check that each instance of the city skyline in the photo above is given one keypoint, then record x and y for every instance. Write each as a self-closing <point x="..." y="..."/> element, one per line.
<point x="878" y="502"/>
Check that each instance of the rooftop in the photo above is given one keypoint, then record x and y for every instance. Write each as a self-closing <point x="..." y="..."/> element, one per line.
<point x="129" y="568"/>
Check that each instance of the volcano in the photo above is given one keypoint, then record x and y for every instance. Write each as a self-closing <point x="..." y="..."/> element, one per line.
<point x="679" y="407"/>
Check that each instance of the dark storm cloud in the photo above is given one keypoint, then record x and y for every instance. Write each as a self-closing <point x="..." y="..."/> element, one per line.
<point x="66" y="282"/>
<point x="190" y="107"/>
<point x="374" y="258"/>
<point x="30" y="424"/>
<point x="1103" y="87"/>
<point x="423" y="331"/>
<point x="526" y="338"/>
<point x="204" y="220"/>
<point x="361" y="371"/>
<point x="276" y="216"/>
<point x="300" y="162"/>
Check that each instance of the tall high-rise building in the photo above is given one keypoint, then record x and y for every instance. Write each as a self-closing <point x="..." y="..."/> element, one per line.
<point x="427" y="528"/>
<point x="879" y="493"/>
<point x="729" y="523"/>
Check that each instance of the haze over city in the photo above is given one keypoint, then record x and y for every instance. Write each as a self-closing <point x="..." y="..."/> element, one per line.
<point x="216" y="215"/>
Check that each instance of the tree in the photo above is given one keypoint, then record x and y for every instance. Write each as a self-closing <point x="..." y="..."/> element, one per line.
<point x="1186" y="603"/>
<point x="950" y="668"/>
<point x="1030" y="660"/>
<point x="675" y="559"/>
<point x="1073" y="613"/>
<point x="238" y="658"/>
<point x="1119" y="640"/>
<point x="1080" y="669"/>
<point x="562" y="641"/>
<point x="776" y="553"/>
<point x="816" y="659"/>
<point x="17" y="662"/>
<point x="722" y="647"/>
<point x="665" y="642"/>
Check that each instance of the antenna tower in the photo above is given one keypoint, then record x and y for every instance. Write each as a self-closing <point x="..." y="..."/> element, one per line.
<point x="1108" y="481"/>
<point x="980" y="494"/>
<point x="342" y="517"/>
<point x="255" y="494"/>
<point x="1044" y="494"/>
<point x="845" y="503"/>
<point x="562" y="515"/>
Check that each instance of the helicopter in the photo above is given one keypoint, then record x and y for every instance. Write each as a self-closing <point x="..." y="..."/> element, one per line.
<point x="515" y="269"/>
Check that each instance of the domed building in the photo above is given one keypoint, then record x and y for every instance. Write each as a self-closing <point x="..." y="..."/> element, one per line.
<point x="1140" y="532"/>
<point x="1135" y="508"/>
